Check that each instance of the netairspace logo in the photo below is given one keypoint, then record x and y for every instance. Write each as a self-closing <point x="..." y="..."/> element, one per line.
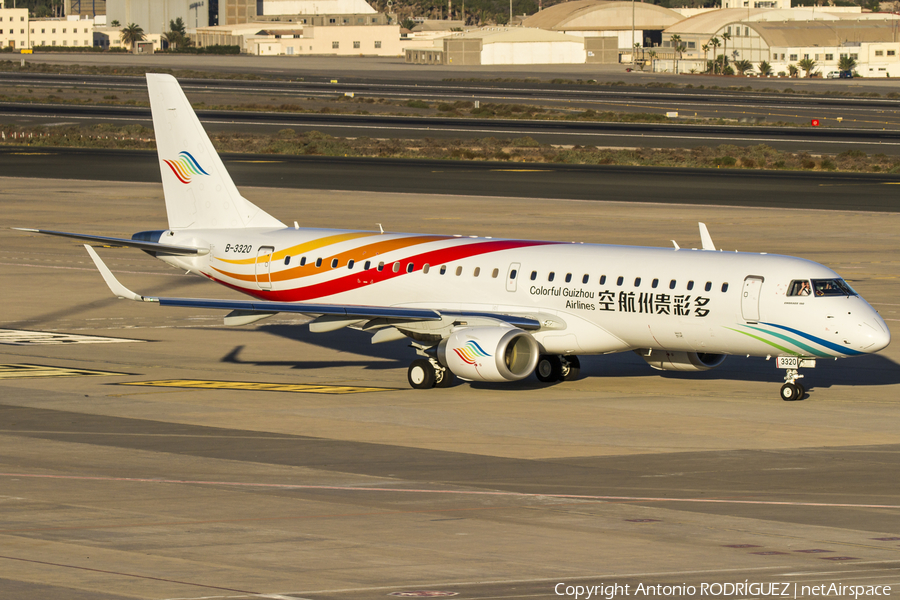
<point x="721" y="590"/>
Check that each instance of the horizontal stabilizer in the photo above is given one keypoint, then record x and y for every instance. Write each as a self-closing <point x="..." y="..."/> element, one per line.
<point x="100" y="239"/>
<point x="706" y="239"/>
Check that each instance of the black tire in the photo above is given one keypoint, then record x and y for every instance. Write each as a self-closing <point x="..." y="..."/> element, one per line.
<point x="801" y="391"/>
<point x="572" y="369"/>
<point x="549" y="368"/>
<point x="447" y="380"/>
<point x="789" y="392"/>
<point x="421" y="375"/>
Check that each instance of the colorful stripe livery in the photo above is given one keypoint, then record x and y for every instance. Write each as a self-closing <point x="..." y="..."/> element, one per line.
<point x="357" y="279"/>
<point x="185" y="166"/>
<point x="471" y="352"/>
<point x="799" y="340"/>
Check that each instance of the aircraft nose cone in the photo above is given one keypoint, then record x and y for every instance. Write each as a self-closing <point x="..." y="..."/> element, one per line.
<point x="877" y="336"/>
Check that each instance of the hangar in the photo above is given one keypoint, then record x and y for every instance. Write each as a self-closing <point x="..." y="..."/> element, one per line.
<point x="502" y="46"/>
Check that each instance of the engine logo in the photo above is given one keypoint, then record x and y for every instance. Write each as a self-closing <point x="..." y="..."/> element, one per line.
<point x="471" y="352"/>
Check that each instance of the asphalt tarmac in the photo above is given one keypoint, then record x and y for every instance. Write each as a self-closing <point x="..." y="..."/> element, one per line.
<point x="193" y="460"/>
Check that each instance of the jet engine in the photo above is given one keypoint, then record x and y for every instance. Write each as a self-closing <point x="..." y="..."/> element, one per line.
<point x="495" y="354"/>
<point x="665" y="360"/>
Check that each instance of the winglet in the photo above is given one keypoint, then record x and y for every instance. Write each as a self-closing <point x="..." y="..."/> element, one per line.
<point x="119" y="290"/>
<point x="677" y="247"/>
<point x="706" y="238"/>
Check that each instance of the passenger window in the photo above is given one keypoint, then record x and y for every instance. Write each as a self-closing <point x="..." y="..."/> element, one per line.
<point x="477" y="272"/>
<point x="654" y="283"/>
<point x="584" y="279"/>
<point x="512" y="274"/>
<point x="443" y="269"/>
<point x="302" y="261"/>
<point x="287" y="260"/>
<point x="637" y="282"/>
<point x="690" y="285"/>
<point x="724" y="287"/>
<point x="409" y="267"/>
<point x="533" y="275"/>
<point x="620" y="280"/>
<point x="708" y="286"/>
<point x="602" y="279"/>
<point x="568" y="278"/>
<point x="551" y="276"/>
<point x="396" y="267"/>
<point x="799" y="287"/>
<point x="495" y="273"/>
<point x="381" y="266"/>
<point x="426" y="268"/>
<point x="672" y="285"/>
<point x="367" y="266"/>
<point x="318" y="262"/>
<point x="350" y="264"/>
<point x="334" y="263"/>
<point x="458" y="271"/>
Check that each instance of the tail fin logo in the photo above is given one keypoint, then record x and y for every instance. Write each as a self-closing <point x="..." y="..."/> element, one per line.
<point x="185" y="166"/>
<point x="470" y="352"/>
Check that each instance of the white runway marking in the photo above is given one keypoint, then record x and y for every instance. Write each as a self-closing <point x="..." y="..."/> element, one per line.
<point x="17" y="337"/>
<point x="291" y="486"/>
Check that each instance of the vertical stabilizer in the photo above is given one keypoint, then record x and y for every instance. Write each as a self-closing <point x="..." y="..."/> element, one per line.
<point x="199" y="191"/>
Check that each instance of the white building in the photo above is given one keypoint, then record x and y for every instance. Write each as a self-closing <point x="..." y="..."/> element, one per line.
<point x="153" y="16"/>
<point x="61" y="32"/>
<point x="502" y="46"/>
<point x="272" y="38"/>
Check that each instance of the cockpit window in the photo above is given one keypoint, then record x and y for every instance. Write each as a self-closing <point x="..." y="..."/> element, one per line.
<point x="799" y="287"/>
<point x="832" y="287"/>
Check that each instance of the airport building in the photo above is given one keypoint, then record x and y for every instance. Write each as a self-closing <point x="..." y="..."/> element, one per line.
<point x="502" y="46"/>
<point x="273" y="38"/>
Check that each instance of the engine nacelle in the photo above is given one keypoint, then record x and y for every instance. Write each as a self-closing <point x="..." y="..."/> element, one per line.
<point x="665" y="360"/>
<point x="489" y="353"/>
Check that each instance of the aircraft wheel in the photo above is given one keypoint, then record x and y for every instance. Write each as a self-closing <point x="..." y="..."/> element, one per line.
<point x="789" y="392"/>
<point x="446" y="380"/>
<point x="421" y="375"/>
<point x="801" y="391"/>
<point x="549" y="368"/>
<point x="571" y="368"/>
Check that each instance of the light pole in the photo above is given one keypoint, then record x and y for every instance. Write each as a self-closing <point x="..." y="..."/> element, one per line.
<point x="633" y="61"/>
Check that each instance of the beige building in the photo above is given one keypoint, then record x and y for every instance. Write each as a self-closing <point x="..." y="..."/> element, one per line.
<point x="61" y="32"/>
<point x="13" y="27"/>
<point x="287" y="39"/>
<point x="502" y="46"/>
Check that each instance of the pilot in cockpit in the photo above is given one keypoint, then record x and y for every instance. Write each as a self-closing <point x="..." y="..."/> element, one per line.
<point x="799" y="287"/>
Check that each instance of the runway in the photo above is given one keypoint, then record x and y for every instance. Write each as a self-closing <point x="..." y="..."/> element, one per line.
<point x="220" y="475"/>
<point x="728" y="187"/>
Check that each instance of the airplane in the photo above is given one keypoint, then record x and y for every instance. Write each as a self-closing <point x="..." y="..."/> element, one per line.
<point x="485" y="309"/>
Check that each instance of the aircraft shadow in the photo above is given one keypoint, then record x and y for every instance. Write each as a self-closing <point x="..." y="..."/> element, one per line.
<point x="860" y="371"/>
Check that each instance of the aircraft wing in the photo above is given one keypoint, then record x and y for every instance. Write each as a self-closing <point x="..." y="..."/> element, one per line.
<point x="151" y="246"/>
<point x="248" y="311"/>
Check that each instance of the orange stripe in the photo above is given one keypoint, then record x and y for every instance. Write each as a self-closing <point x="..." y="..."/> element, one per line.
<point x="368" y="252"/>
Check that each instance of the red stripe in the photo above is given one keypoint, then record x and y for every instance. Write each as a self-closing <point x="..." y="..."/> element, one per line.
<point x="362" y="278"/>
<point x="174" y="170"/>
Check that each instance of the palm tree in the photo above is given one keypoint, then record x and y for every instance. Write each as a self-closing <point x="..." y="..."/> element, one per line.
<point x="725" y="37"/>
<point x="178" y="26"/>
<point x="705" y="48"/>
<point x="742" y="66"/>
<point x="793" y="70"/>
<point x="676" y="42"/>
<point x="132" y="34"/>
<point x="847" y="63"/>
<point x="715" y="45"/>
<point x="807" y="64"/>
<point x="765" y="68"/>
<point x="115" y="23"/>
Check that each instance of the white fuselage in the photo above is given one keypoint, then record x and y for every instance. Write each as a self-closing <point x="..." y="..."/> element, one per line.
<point x="607" y="298"/>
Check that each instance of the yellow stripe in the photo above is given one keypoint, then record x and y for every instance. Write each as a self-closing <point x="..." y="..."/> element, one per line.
<point x="23" y="371"/>
<point x="301" y="248"/>
<point x="259" y="386"/>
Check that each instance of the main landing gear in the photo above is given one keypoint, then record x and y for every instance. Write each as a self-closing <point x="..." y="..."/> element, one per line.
<point x="791" y="390"/>
<point x="426" y="373"/>
<point x="552" y="367"/>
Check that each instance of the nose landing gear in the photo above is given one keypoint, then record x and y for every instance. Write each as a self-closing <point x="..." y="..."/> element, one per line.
<point x="792" y="390"/>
